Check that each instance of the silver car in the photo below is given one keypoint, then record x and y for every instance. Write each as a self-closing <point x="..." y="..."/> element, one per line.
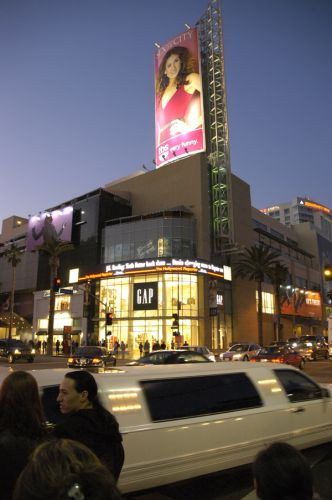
<point x="240" y="352"/>
<point x="202" y="350"/>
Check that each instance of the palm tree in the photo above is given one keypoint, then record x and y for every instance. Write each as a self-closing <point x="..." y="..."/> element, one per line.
<point x="254" y="264"/>
<point x="13" y="256"/>
<point x="53" y="250"/>
<point x="279" y="275"/>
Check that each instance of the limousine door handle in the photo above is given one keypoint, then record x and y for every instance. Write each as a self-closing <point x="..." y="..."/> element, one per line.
<point x="298" y="410"/>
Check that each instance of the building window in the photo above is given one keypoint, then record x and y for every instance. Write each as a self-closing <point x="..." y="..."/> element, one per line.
<point x="268" y="302"/>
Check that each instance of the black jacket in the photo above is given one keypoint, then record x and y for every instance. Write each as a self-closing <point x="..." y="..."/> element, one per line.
<point x="99" y="431"/>
<point x="14" y="455"/>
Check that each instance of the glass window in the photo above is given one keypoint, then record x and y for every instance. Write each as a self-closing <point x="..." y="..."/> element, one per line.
<point x="297" y="386"/>
<point x="190" y="397"/>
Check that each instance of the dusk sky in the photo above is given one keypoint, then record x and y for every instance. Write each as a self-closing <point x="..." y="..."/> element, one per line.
<point x="77" y="102"/>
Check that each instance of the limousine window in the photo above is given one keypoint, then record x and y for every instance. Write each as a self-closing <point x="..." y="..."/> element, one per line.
<point x="50" y="405"/>
<point x="186" y="397"/>
<point x="297" y="386"/>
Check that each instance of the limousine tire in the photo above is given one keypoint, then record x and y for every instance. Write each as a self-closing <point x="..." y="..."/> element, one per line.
<point x="245" y="358"/>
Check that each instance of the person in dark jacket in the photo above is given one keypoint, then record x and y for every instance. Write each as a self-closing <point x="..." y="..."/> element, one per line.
<point x="87" y="421"/>
<point x="22" y="427"/>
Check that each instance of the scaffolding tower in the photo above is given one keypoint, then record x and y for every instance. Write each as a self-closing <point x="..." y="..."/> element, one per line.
<point x="216" y="126"/>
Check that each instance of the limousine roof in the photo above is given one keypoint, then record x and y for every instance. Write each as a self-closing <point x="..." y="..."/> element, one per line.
<point x="124" y="374"/>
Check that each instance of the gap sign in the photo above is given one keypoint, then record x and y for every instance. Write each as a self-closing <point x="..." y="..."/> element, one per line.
<point x="145" y="296"/>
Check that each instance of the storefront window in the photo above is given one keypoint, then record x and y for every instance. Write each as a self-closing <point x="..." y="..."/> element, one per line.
<point x="177" y="293"/>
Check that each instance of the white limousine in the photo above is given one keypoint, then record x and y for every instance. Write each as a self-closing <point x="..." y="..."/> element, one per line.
<point x="179" y="421"/>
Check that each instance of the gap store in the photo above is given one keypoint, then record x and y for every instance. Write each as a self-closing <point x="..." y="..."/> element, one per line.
<point x="153" y="299"/>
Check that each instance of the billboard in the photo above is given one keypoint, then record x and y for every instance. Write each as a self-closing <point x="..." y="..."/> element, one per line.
<point x="49" y="227"/>
<point x="179" y="114"/>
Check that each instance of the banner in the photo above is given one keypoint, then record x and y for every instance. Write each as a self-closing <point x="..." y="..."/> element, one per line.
<point x="49" y="228"/>
<point x="179" y="114"/>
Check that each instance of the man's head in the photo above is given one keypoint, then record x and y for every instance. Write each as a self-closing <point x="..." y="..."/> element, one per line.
<point x="78" y="391"/>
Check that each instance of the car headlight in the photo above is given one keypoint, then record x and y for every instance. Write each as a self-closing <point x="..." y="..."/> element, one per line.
<point x="33" y="351"/>
<point x="17" y="351"/>
<point x="237" y="356"/>
<point x="96" y="361"/>
<point x="70" y="360"/>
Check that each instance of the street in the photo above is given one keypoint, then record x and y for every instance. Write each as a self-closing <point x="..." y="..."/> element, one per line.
<point x="229" y="485"/>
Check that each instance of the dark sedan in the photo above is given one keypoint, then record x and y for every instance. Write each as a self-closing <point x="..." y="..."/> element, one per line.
<point x="279" y="354"/>
<point x="168" y="357"/>
<point x="13" y="350"/>
<point x="91" y="357"/>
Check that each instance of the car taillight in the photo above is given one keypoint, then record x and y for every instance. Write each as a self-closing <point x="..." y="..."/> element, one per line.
<point x="252" y="360"/>
<point x="278" y="360"/>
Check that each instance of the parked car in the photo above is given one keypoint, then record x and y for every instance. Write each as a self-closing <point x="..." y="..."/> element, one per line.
<point x="313" y="350"/>
<point x="280" y="354"/>
<point x="91" y="357"/>
<point x="202" y="350"/>
<point x="168" y="357"/>
<point x="293" y="341"/>
<point x="13" y="350"/>
<point x="240" y="352"/>
<point x="279" y="343"/>
<point x="179" y="422"/>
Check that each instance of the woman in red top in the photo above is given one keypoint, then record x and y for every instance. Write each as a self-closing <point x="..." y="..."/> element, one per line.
<point x="178" y="90"/>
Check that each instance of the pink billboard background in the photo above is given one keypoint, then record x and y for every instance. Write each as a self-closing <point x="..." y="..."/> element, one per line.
<point x="49" y="227"/>
<point x="179" y="116"/>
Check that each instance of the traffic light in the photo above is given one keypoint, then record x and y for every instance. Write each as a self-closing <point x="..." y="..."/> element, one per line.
<point x="108" y="318"/>
<point x="328" y="273"/>
<point x="175" y="323"/>
<point x="57" y="284"/>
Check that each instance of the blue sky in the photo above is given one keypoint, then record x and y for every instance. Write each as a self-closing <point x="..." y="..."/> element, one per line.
<point x="77" y="105"/>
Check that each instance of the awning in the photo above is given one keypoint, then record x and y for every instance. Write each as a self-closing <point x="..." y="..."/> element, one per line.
<point x="58" y="332"/>
<point x="19" y="322"/>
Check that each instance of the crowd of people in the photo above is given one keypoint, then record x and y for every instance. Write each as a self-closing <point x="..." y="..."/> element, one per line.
<point x="80" y="458"/>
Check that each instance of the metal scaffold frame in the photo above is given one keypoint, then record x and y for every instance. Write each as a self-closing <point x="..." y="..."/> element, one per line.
<point x="216" y="125"/>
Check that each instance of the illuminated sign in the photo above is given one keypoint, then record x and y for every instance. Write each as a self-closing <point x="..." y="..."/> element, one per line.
<point x="49" y="228"/>
<point x="179" y="115"/>
<point x="161" y="265"/>
<point x="145" y="296"/>
<point x="316" y="206"/>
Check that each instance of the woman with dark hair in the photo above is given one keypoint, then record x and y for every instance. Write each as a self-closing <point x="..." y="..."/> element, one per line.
<point x="65" y="469"/>
<point x="282" y="473"/>
<point x="22" y="426"/>
<point x="178" y="88"/>
<point x="87" y="421"/>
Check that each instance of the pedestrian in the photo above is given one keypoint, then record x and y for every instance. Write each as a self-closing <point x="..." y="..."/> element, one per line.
<point x="140" y="348"/>
<point x="146" y="347"/>
<point x="116" y="348"/>
<point x="123" y="349"/>
<point x="65" y="469"/>
<point x="44" y="346"/>
<point x="281" y="472"/>
<point x="185" y="344"/>
<point x="38" y="346"/>
<point x="162" y="345"/>
<point x="57" y="347"/>
<point x="172" y="344"/>
<point x="22" y="427"/>
<point x="87" y="421"/>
